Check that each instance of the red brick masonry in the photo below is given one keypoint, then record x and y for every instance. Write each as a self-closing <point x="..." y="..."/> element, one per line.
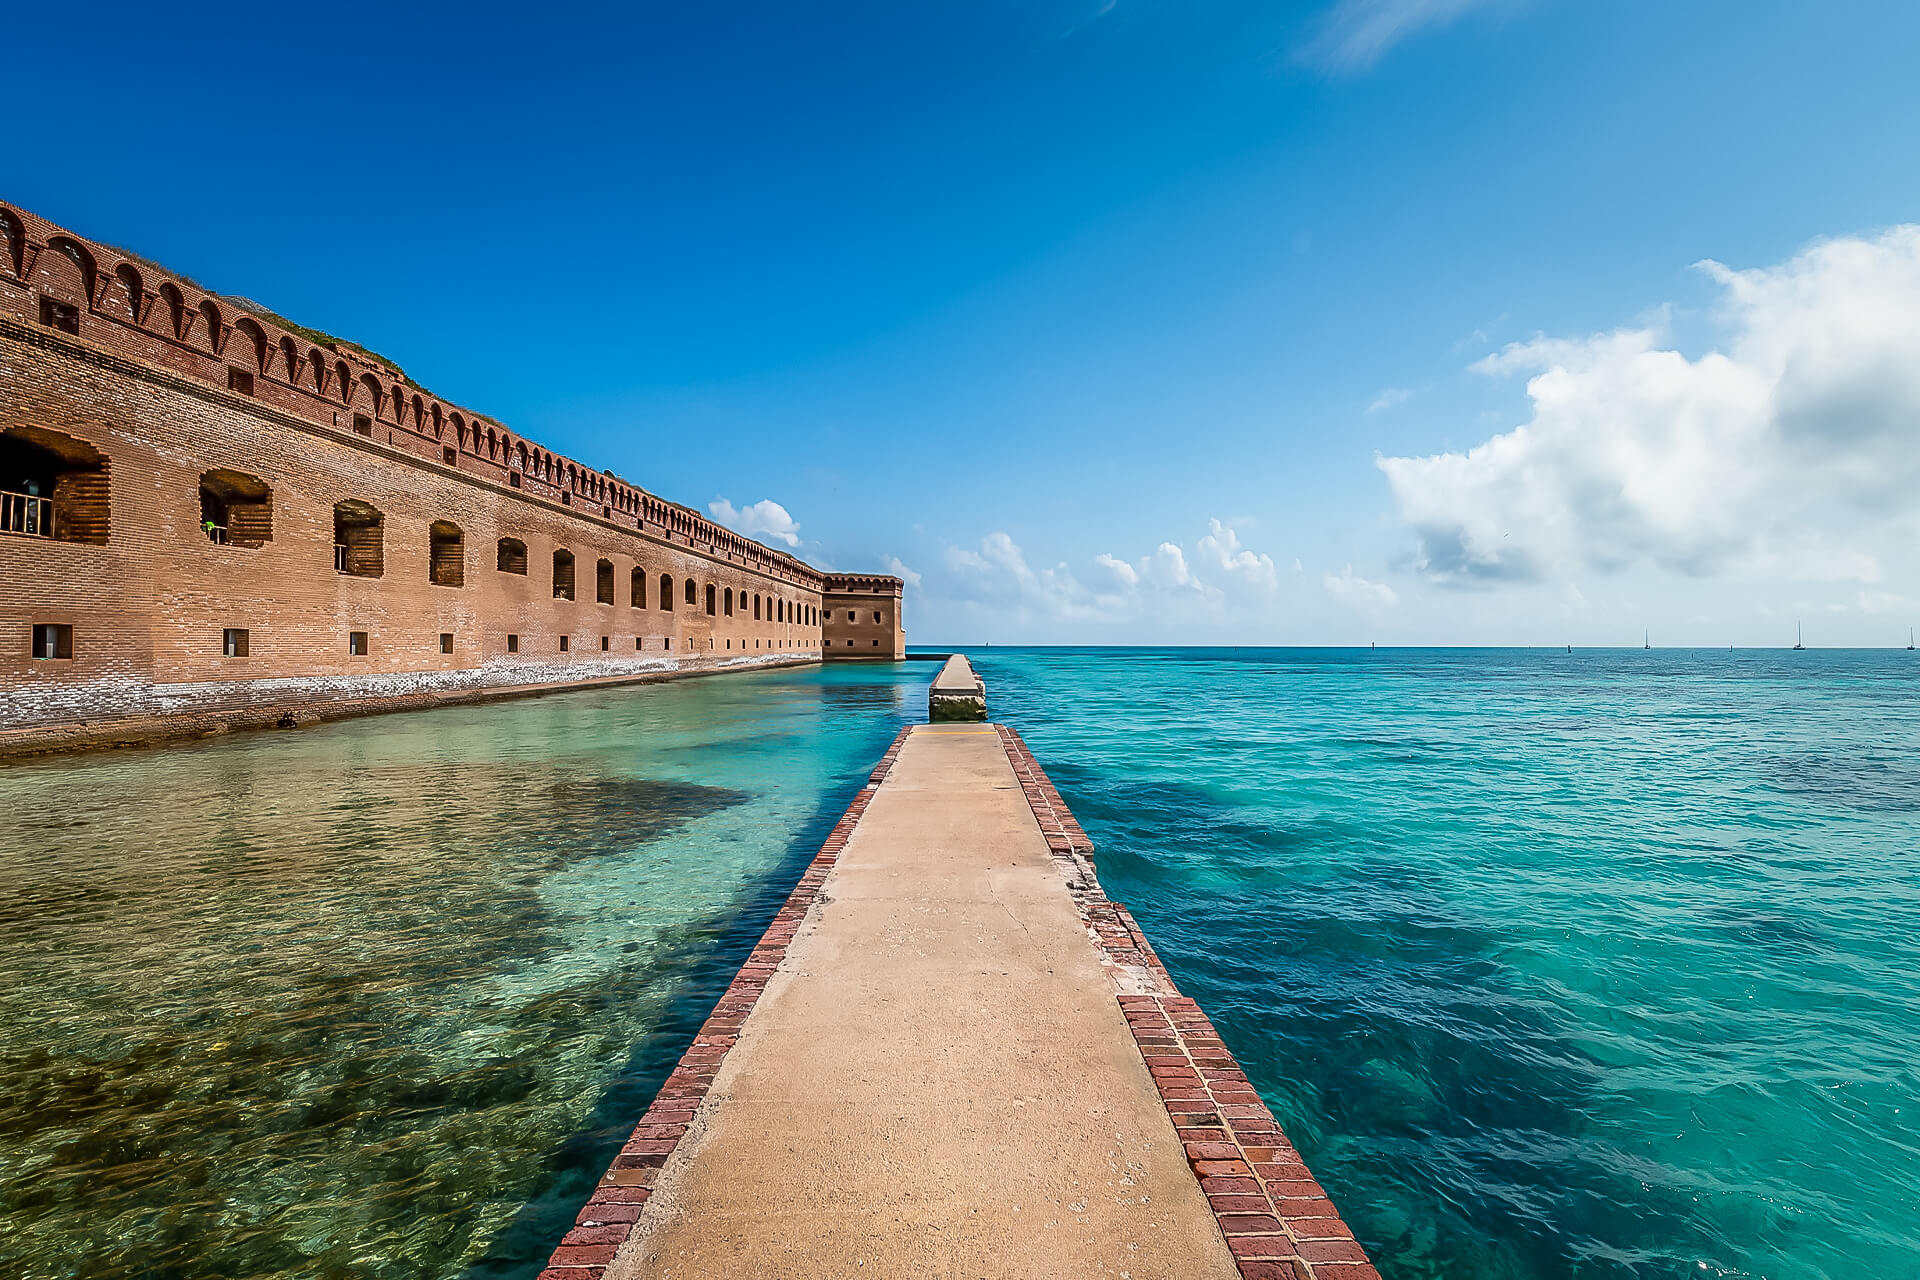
<point x="1277" y="1220"/>
<point x="613" y="1209"/>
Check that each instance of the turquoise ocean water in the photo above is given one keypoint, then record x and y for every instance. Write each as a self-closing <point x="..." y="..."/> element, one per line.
<point x="1601" y="965"/>
<point x="382" y="998"/>
<point x="1596" y="965"/>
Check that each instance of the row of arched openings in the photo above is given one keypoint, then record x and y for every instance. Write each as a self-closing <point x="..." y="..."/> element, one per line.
<point x="511" y="557"/>
<point x="71" y="269"/>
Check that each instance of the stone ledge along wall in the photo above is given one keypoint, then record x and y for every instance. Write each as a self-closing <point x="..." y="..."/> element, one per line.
<point x="137" y="410"/>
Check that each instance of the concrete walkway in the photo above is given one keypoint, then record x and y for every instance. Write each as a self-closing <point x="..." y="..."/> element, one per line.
<point x="938" y="1081"/>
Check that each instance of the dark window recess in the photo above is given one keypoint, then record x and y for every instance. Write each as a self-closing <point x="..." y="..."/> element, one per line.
<point x="239" y="380"/>
<point x="636" y="642"/>
<point x="563" y="643"/>
<point x="513" y="644"/>
<point x="513" y="478"/>
<point x="566" y="499"/>
<point x="357" y="643"/>
<point x="449" y="455"/>
<point x="362" y="425"/>
<point x="52" y="640"/>
<point x="446" y="642"/>
<point x="233" y="642"/>
<point x="604" y="645"/>
<point x="59" y="315"/>
<point x="876" y="618"/>
<point x="876" y="643"/>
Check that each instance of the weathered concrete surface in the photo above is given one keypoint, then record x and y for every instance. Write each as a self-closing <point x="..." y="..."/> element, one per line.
<point x="957" y="694"/>
<point x="938" y="1081"/>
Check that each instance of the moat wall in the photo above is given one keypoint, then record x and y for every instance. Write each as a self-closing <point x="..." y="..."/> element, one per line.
<point x="367" y="541"/>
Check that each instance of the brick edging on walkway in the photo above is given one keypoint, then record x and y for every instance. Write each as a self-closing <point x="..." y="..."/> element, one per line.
<point x="1277" y="1221"/>
<point x="613" y="1210"/>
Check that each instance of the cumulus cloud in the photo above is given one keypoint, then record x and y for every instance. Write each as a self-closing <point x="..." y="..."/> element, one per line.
<point x="1221" y="548"/>
<point x="1355" y="34"/>
<point x="1349" y="587"/>
<point x="899" y="570"/>
<point x="1789" y="449"/>
<point x="1124" y="574"/>
<point x="764" y="519"/>
<point x="1217" y="574"/>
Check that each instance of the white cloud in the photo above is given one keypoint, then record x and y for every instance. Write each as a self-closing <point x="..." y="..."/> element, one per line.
<point x="1218" y="574"/>
<point x="764" y="519"/>
<point x="1220" y="546"/>
<point x="1355" y="34"/>
<point x="1124" y="574"/>
<point x="899" y="570"/>
<point x="1167" y="569"/>
<point x="1350" y="588"/>
<point x="1790" y="450"/>
<point x="1885" y="602"/>
<point x="1389" y="398"/>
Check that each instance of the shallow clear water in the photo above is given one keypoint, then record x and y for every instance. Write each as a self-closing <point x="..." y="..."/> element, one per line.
<point x="382" y="998"/>
<point x="1595" y="965"/>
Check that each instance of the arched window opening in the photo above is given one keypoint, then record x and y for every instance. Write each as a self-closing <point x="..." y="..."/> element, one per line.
<point x="710" y="600"/>
<point x="358" y="539"/>
<point x="256" y="344"/>
<point x="446" y="555"/>
<point x="756" y="606"/>
<point x="375" y="397"/>
<point x="210" y="321"/>
<point x="603" y="582"/>
<point x="638" y="588"/>
<point x="729" y="602"/>
<point x="513" y="556"/>
<point x="13" y="242"/>
<point x="343" y="381"/>
<point x="666" y="592"/>
<point x="563" y="575"/>
<point x="693" y="590"/>
<point x="420" y="416"/>
<point x="176" y="307"/>
<point x="130" y="290"/>
<point x="318" y="364"/>
<point x="76" y="254"/>
<point x="52" y="486"/>
<point x="236" y="509"/>
<point x="289" y="360"/>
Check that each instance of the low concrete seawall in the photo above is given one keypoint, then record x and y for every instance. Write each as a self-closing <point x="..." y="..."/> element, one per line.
<point x="957" y="695"/>
<point x="952" y="1054"/>
<point x="267" y="713"/>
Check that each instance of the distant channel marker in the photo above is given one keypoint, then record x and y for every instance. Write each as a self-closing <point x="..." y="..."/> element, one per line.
<point x="964" y="1059"/>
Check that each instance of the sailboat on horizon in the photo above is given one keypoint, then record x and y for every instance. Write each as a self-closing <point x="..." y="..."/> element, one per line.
<point x="1797" y="645"/>
<point x="1648" y="642"/>
<point x="1909" y="639"/>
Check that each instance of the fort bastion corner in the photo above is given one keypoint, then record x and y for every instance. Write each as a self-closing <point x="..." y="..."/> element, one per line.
<point x="212" y="517"/>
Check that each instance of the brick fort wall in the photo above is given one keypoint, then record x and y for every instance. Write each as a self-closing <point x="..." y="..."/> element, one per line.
<point x="204" y="507"/>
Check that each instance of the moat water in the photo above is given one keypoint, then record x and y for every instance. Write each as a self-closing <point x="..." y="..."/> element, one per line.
<point x="383" y="998"/>
<point x="1601" y="965"/>
<point x="1591" y="965"/>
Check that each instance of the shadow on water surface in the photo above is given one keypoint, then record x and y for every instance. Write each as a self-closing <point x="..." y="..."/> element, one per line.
<point x="701" y="966"/>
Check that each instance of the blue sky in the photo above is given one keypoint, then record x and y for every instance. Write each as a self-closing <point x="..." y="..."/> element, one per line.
<point x="1106" y="320"/>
